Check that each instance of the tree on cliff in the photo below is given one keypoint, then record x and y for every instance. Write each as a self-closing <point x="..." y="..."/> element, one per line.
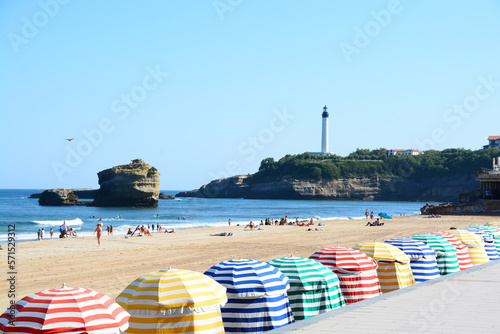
<point x="375" y="163"/>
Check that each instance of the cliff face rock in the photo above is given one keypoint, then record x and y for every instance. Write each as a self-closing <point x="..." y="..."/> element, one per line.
<point x="59" y="197"/>
<point x="489" y="207"/>
<point x="384" y="189"/>
<point x="134" y="185"/>
<point x="81" y="193"/>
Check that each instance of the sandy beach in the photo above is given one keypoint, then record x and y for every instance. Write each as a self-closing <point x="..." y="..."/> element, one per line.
<point x="119" y="260"/>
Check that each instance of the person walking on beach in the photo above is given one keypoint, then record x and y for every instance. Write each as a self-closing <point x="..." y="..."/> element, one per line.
<point x="42" y="233"/>
<point x="51" y="232"/>
<point x="99" y="233"/>
<point x="371" y="215"/>
<point x="229" y="222"/>
<point x="367" y="213"/>
<point x="39" y="231"/>
<point x="111" y="229"/>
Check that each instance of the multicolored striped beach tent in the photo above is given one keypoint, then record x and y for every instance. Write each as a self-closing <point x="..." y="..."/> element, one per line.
<point x="489" y="245"/>
<point x="314" y="288"/>
<point x="446" y="253"/>
<point x="474" y="243"/>
<point x="356" y="271"/>
<point x="422" y="258"/>
<point x="463" y="257"/>
<point x="257" y="295"/>
<point x="65" y="310"/>
<point x="491" y="231"/>
<point x="174" y="301"/>
<point x="393" y="270"/>
<point x="487" y="229"/>
<point x="495" y="225"/>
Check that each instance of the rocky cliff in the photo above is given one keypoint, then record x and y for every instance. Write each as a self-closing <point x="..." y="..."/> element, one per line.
<point x="488" y="207"/>
<point x="81" y="193"/>
<point x="384" y="189"/>
<point x="59" y="197"/>
<point x="134" y="185"/>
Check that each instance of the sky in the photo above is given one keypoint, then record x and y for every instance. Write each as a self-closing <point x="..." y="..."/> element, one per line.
<point x="207" y="89"/>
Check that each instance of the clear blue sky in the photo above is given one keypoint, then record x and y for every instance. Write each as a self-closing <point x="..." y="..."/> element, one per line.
<point x="202" y="89"/>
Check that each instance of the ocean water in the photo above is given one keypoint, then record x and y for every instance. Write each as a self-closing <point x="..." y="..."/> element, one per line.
<point x="16" y="208"/>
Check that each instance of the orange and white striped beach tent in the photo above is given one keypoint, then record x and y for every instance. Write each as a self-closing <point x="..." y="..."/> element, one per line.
<point x="394" y="271"/>
<point x="474" y="243"/>
<point x="174" y="301"/>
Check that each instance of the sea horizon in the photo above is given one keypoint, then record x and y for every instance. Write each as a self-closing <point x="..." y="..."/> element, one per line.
<point x="180" y="213"/>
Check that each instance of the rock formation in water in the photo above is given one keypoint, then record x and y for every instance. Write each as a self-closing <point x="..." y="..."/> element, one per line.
<point x="59" y="197"/>
<point x="376" y="188"/>
<point x="163" y="196"/>
<point x="81" y="193"/>
<point x="133" y="185"/>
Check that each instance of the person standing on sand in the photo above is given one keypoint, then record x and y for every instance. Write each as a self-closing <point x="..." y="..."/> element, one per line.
<point x="111" y="229"/>
<point x="42" y="233"/>
<point x="229" y="222"/>
<point x="367" y="213"/>
<point x="99" y="232"/>
<point x="371" y="215"/>
<point x="51" y="232"/>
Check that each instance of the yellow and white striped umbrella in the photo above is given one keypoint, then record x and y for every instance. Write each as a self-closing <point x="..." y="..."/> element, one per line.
<point x="174" y="301"/>
<point x="394" y="271"/>
<point x="474" y="243"/>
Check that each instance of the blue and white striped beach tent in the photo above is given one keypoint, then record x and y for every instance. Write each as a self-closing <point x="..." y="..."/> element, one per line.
<point x="422" y="258"/>
<point x="446" y="253"/>
<point x="257" y="296"/>
<point x="489" y="244"/>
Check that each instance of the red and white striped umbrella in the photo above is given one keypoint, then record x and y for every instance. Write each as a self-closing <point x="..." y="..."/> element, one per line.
<point x="65" y="310"/>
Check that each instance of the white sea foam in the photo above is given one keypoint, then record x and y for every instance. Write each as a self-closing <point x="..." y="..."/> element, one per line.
<point x="76" y="221"/>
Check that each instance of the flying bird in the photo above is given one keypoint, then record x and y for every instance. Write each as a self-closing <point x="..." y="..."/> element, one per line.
<point x="69" y="139"/>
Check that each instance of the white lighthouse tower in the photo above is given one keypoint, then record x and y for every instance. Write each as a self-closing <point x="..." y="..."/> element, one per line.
<point x="324" y="134"/>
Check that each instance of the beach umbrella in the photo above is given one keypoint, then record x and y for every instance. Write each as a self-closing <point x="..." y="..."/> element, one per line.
<point x="385" y="215"/>
<point x="463" y="257"/>
<point x="489" y="245"/>
<point x="446" y="253"/>
<point x="356" y="271"/>
<point x="393" y="270"/>
<point x="65" y="310"/>
<point x="474" y="243"/>
<point x="422" y="258"/>
<point x="257" y="298"/>
<point x="314" y="288"/>
<point x="173" y="301"/>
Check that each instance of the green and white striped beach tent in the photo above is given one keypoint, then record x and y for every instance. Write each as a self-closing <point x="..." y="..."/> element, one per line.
<point x="446" y="253"/>
<point x="314" y="288"/>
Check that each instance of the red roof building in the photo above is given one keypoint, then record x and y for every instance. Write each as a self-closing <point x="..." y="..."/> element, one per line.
<point x="494" y="141"/>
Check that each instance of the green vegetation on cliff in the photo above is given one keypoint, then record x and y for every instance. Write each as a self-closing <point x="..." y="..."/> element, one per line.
<point x="375" y="163"/>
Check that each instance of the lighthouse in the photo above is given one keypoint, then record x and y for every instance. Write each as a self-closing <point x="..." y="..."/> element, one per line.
<point x="324" y="134"/>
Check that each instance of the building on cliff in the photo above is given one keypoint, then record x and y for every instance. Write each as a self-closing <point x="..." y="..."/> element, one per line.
<point x="493" y="141"/>
<point x="489" y="180"/>
<point x="404" y="152"/>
